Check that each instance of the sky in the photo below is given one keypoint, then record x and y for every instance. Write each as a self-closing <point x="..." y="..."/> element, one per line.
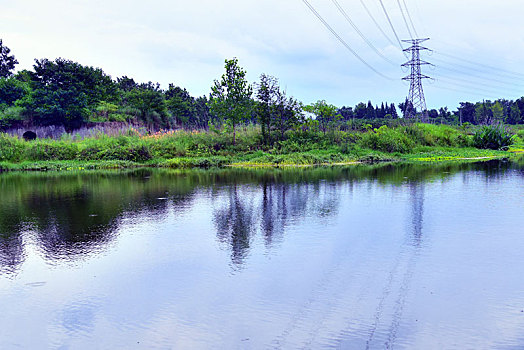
<point x="186" y="43"/>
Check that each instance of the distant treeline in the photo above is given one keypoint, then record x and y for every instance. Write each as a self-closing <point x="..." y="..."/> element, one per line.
<point x="64" y="92"/>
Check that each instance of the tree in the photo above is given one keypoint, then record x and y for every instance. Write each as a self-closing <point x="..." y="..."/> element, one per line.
<point x="432" y="114"/>
<point x="466" y="112"/>
<point x="66" y="74"/>
<point x="149" y="100"/>
<point x="286" y="113"/>
<point x="346" y="113"/>
<point x="11" y="90"/>
<point x="360" y="111"/>
<point x="266" y="93"/>
<point x="514" y="115"/>
<point x="181" y="105"/>
<point x="381" y="113"/>
<point x="483" y="113"/>
<point x="444" y="114"/>
<point x="126" y="84"/>
<point x="7" y="62"/>
<point x="326" y="114"/>
<point x="393" y="111"/>
<point x="202" y="113"/>
<point x="65" y="92"/>
<point x="498" y="112"/>
<point x="407" y="108"/>
<point x="370" y="111"/>
<point x="230" y="97"/>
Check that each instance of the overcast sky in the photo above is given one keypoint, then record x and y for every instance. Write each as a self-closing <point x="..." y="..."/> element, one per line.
<point x="186" y="42"/>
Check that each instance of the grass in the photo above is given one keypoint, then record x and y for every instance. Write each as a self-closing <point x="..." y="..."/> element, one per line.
<point x="199" y="149"/>
<point x="67" y="165"/>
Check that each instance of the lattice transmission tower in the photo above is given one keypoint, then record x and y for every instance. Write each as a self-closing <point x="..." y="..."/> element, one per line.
<point x="416" y="100"/>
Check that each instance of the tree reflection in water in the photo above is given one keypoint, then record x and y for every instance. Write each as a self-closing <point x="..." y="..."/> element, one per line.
<point x="72" y="215"/>
<point x="244" y="210"/>
<point x="234" y="223"/>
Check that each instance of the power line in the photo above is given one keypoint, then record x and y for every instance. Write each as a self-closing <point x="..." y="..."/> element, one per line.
<point x="508" y="76"/>
<point x="392" y="27"/>
<point x="485" y="95"/>
<point x="376" y="23"/>
<point x="479" y="64"/>
<point x="342" y="40"/>
<point x="472" y="86"/>
<point x="409" y="17"/>
<point x="471" y="92"/>
<point x="348" y="19"/>
<point x="404" y="17"/>
<point x="490" y="79"/>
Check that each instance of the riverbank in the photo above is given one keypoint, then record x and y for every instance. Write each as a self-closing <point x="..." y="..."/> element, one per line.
<point x="184" y="149"/>
<point x="260" y="159"/>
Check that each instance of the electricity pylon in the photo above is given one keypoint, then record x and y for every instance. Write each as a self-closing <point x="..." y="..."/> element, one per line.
<point x="416" y="98"/>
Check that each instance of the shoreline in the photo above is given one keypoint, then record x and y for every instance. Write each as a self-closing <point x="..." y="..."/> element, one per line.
<point x="65" y="165"/>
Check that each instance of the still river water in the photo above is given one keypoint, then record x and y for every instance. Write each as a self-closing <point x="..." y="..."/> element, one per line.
<point x="364" y="257"/>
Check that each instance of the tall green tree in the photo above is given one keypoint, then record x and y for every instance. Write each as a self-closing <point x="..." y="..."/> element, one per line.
<point x="498" y="112"/>
<point x="346" y="113"/>
<point x="202" y="112"/>
<point x="65" y="92"/>
<point x="286" y="113"/>
<point x="326" y="114"/>
<point x="266" y="95"/>
<point x="230" y="97"/>
<point x="181" y="105"/>
<point x="149" y="100"/>
<point x="7" y="61"/>
<point x="483" y="113"/>
<point x="467" y="112"/>
<point x="11" y="90"/>
<point x="360" y="110"/>
<point x="514" y="115"/>
<point x="393" y="111"/>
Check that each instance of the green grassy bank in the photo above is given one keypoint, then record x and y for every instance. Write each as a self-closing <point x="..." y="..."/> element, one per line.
<point x="185" y="149"/>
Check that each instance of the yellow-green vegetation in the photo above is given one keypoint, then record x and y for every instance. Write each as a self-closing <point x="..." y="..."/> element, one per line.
<point x="216" y="148"/>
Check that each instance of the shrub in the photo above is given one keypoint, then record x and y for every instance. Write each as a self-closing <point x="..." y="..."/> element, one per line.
<point x="51" y="150"/>
<point x="11" y="148"/>
<point x="436" y="135"/>
<point x="387" y="140"/>
<point x="198" y="162"/>
<point x="494" y="137"/>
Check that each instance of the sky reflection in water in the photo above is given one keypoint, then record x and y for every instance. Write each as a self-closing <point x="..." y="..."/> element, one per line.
<point x="373" y="257"/>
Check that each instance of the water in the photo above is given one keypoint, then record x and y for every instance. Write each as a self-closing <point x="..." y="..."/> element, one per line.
<point x="365" y="257"/>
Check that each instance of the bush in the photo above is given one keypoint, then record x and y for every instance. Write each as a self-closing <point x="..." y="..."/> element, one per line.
<point x="197" y="162"/>
<point x="51" y="150"/>
<point x="437" y="135"/>
<point x="494" y="137"/>
<point x="11" y="148"/>
<point x="387" y="140"/>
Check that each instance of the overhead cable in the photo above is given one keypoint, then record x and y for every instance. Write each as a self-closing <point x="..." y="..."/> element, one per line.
<point x="479" y="64"/>
<point x="409" y="17"/>
<point x="343" y="42"/>
<point x="490" y="79"/>
<point x="486" y="71"/>
<point x="404" y="17"/>
<point x="473" y="86"/>
<point x="348" y="19"/>
<point x="376" y="23"/>
<point x="392" y="27"/>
